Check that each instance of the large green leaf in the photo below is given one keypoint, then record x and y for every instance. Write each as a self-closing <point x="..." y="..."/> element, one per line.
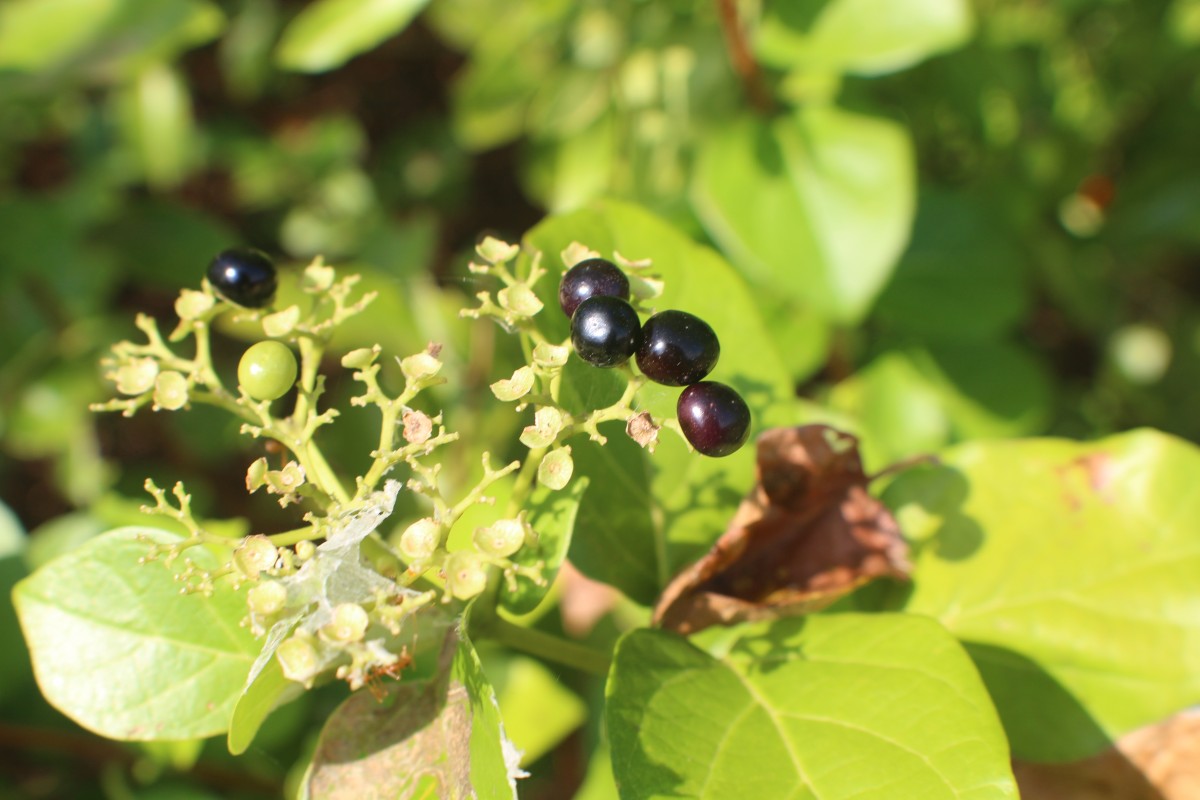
<point x="824" y="707"/>
<point x="1073" y="573"/>
<point x="816" y="204"/>
<point x="440" y="737"/>
<point x="861" y="36"/>
<point x="155" y="114"/>
<point x="118" y="649"/>
<point x="327" y="33"/>
<point x="913" y="401"/>
<point x="102" y="37"/>
<point x="644" y="515"/>
<point x="961" y="262"/>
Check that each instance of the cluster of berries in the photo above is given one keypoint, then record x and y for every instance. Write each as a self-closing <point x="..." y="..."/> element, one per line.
<point x="673" y="348"/>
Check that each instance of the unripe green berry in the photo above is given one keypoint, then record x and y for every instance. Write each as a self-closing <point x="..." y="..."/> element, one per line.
<point x="556" y="468"/>
<point x="170" y="390"/>
<point x="267" y="370"/>
<point x="500" y="539"/>
<point x="466" y="574"/>
<point x="266" y="598"/>
<point x="349" y="623"/>
<point x="254" y="555"/>
<point x="420" y="540"/>
<point x="298" y="659"/>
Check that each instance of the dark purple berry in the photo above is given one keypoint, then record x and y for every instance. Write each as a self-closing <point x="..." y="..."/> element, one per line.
<point x="244" y="276"/>
<point x="677" y="348"/>
<point x="605" y="331"/>
<point x="591" y="278"/>
<point x="714" y="418"/>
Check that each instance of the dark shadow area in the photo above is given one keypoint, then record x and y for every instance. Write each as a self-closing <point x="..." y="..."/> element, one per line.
<point x="1044" y="721"/>
<point x="941" y="491"/>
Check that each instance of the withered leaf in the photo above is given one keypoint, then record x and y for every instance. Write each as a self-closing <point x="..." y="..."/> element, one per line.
<point x="807" y="534"/>
<point x="1158" y="762"/>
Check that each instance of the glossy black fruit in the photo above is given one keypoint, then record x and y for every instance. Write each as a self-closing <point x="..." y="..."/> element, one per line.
<point x="714" y="418"/>
<point x="244" y="276"/>
<point x="592" y="277"/>
<point x="605" y="331"/>
<point x="677" y="349"/>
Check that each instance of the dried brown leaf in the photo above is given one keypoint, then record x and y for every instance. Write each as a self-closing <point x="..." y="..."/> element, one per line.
<point x="807" y="534"/>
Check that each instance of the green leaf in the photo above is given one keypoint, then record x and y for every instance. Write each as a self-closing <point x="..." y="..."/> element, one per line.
<point x="615" y="538"/>
<point x="119" y="650"/>
<point x="328" y="33"/>
<point x="913" y="401"/>
<point x="552" y="515"/>
<point x="816" y="205"/>
<point x="847" y="705"/>
<point x="102" y="38"/>
<point x="962" y="263"/>
<point x="440" y="737"/>
<point x="538" y="711"/>
<point x="1072" y="571"/>
<point x="867" y="37"/>
<point x="266" y="692"/>
<point x="155" y="112"/>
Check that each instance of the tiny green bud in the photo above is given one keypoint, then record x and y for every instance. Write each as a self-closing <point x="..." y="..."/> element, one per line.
<point x="420" y="366"/>
<point x="550" y="356"/>
<point x="192" y="305"/>
<point x="254" y="555"/>
<point x="420" y="540"/>
<point x="496" y="251"/>
<point x="305" y="550"/>
<point x="547" y="423"/>
<point x="555" y="470"/>
<point x="256" y="475"/>
<point x="361" y="358"/>
<point x="576" y="252"/>
<point x="466" y="574"/>
<point x="136" y="375"/>
<point x="286" y="480"/>
<point x="266" y="598"/>
<point x="318" y="277"/>
<point x="349" y="623"/>
<point x="500" y="539"/>
<point x="281" y="323"/>
<point x="170" y="390"/>
<point x="516" y="387"/>
<point x="519" y="299"/>
<point x="298" y="659"/>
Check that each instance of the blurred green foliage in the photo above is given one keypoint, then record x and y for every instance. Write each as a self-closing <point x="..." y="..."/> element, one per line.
<point x="960" y="221"/>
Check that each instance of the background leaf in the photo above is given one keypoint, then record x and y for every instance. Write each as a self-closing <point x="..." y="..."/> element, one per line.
<point x="118" y="649"/>
<point x="792" y="201"/>
<point x="867" y="37"/>
<point x="1070" y="570"/>
<point x="879" y="706"/>
<point x="327" y="33"/>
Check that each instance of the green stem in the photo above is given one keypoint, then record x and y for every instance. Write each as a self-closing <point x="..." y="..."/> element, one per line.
<point x="543" y="645"/>
<point x="294" y="536"/>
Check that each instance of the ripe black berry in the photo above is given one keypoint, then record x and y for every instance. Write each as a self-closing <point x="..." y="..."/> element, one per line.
<point x="714" y="418"/>
<point x="590" y="278"/>
<point x="244" y="276"/>
<point x="605" y="331"/>
<point x="677" y="348"/>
